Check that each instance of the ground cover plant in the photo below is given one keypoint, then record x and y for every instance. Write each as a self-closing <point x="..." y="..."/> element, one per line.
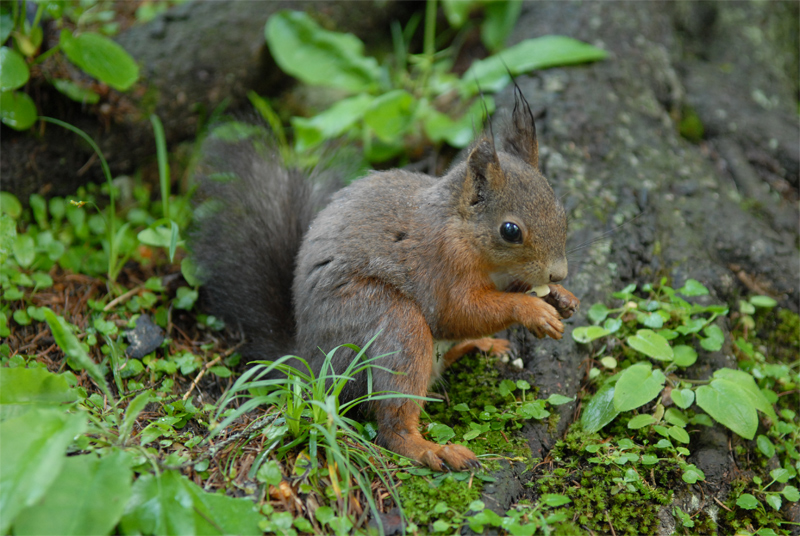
<point x="114" y="382"/>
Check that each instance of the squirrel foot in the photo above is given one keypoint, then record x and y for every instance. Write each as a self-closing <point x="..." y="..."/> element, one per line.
<point x="563" y="300"/>
<point x="493" y="347"/>
<point x="542" y="319"/>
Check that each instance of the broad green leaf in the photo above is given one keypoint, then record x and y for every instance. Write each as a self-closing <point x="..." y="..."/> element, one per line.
<point x="555" y="500"/>
<point x="763" y="301"/>
<point x="636" y="386"/>
<point x="640" y="421"/>
<point x="320" y="57"/>
<point x="791" y="493"/>
<point x="185" y="298"/>
<point x="69" y="344"/>
<point x="612" y="324"/>
<point x="8" y="237"/>
<point x="692" y="287"/>
<point x="17" y="110"/>
<point x="557" y="400"/>
<point x="774" y="501"/>
<point x="747" y="384"/>
<point x="33" y="387"/>
<point x="76" y="92"/>
<point x="105" y="487"/>
<point x="102" y="58"/>
<point x="170" y="504"/>
<point x="684" y="356"/>
<point x="780" y="475"/>
<point x="539" y="53"/>
<point x="714" y="338"/>
<point x="24" y="250"/>
<point x="692" y="474"/>
<point x="441" y="433"/>
<point x="33" y="447"/>
<point x="651" y="344"/>
<point x="14" y="71"/>
<point x="597" y="313"/>
<point x="533" y="410"/>
<point x="500" y="20"/>
<point x="390" y="114"/>
<point x="683" y="398"/>
<point x="457" y="132"/>
<point x="330" y="124"/>
<point x="679" y="434"/>
<point x="9" y="204"/>
<point x="652" y="320"/>
<point x="456" y="11"/>
<point x="725" y="402"/>
<point x="649" y="459"/>
<point x="747" y="501"/>
<point x="269" y="473"/>
<point x="600" y="410"/>
<point x="7" y="24"/>
<point x="587" y="334"/>
<point x="765" y="446"/>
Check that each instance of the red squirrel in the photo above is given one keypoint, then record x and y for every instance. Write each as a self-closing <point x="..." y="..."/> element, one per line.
<point x="302" y="266"/>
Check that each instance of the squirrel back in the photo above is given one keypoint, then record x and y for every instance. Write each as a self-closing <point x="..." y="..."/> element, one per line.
<point x="251" y="212"/>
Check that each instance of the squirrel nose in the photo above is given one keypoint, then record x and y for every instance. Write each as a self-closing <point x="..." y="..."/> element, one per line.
<point x="558" y="270"/>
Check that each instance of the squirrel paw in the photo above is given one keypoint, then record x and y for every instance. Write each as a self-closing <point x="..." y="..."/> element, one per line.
<point x="544" y="321"/>
<point x="563" y="300"/>
<point x="449" y="457"/>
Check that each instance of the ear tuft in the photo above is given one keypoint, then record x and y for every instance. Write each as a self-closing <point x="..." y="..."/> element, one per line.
<point x="520" y="139"/>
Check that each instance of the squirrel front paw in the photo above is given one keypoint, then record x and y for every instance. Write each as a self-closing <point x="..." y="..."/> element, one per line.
<point x="563" y="300"/>
<point x="542" y="319"/>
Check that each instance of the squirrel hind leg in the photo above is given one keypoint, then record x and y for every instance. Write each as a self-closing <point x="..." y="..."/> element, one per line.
<point x="398" y="431"/>
<point x="493" y="347"/>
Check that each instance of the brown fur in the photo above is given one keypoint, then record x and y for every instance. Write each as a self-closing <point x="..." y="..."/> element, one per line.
<point x="416" y="258"/>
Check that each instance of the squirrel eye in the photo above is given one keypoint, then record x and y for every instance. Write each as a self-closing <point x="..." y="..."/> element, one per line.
<point x="511" y="232"/>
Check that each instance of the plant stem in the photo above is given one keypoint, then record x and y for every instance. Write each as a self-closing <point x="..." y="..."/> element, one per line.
<point x="112" y="249"/>
<point x="163" y="164"/>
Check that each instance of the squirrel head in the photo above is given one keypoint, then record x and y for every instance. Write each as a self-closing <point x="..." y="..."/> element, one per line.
<point x="520" y="227"/>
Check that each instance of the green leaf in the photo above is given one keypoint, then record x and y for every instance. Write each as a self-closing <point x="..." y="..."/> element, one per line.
<point x="105" y="485"/>
<point x="725" y="402"/>
<point x="763" y="301"/>
<point x="539" y="53"/>
<point x="747" y="384"/>
<point x="747" y="501"/>
<point x="558" y="400"/>
<point x="600" y="410"/>
<point x="390" y="114"/>
<point x="692" y="474"/>
<point x="679" y="434"/>
<point x="17" y="110"/>
<point x="587" y="334"/>
<point x="500" y="20"/>
<point x="554" y="500"/>
<point x="456" y="11"/>
<point x="6" y="24"/>
<point x="612" y="324"/>
<point x="456" y="132"/>
<point x="24" y="250"/>
<point x="331" y="123"/>
<point x="33" y="447"/>
<point x="780" y="475"/>
<point x="636" y="386"/>
<point x="714" y="338"/>
<point x="765" y="446"/>
<point x="791" y="493"/>
<point x="640" y="421"/>
<point x="14" y="71"/>
<point x="76" y="92"/>
<point x="20" y="386"/>
<point x="9" y="204"/>
<point x="170" y="503"/>
<point x="316" y="56"/>
<point x="684" y="356"/>
<point x="774" y="501"/>
<point x="441" y="433"/>
<point x="131" y="413"/>
<point x="649" y="459"/>
<point x="692" y="287"/>
<point x="269" y="473"/>
<point x="683" y="398"/>
<point x="69" y="344"/>
<point x="597" y="313"/>
<point x="102" y="58"/>
<point x="651" y="344"/>
<point x="185" y="298"/>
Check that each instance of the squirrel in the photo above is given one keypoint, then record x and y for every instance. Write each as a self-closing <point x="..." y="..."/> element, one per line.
<point x="300" y="264"/>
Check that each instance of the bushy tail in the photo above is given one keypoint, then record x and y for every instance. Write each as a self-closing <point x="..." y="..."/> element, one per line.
<point x="251" y="213"/>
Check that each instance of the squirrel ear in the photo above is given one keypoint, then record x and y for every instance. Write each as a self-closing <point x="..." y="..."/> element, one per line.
<point x="520" y="139"/>
<point x="483" y="172"/>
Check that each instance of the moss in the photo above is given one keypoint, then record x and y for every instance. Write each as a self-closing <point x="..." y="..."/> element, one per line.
<point x="690" y="126"/>
<point x="419" y="495"/>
